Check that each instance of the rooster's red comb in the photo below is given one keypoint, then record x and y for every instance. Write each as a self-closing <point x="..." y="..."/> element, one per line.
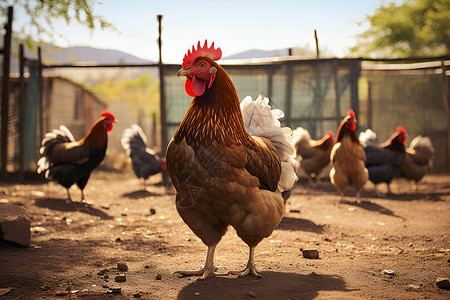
<point x="191" y="56"/>
<point x="351" y="113"/>
<point x="330" y="134"/>
<point x="107" y="113"/>
<point x="401" y="130"/>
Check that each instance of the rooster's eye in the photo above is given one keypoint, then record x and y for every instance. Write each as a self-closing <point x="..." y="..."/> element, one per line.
<point x="202" y="65"/>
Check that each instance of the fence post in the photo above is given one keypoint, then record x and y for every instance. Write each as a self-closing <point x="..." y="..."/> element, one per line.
<point x="336" y="91"/>
<point x="162" y="94"/>
<point x="355" y="72"/>
<point x="445" y="96"/>
<point x="22" y="110"/>
<point x="289" y="78"/>
<point x="5" y="92"/>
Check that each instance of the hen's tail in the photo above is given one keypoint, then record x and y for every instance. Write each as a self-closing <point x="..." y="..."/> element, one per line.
<point x="260" y="120"/>
<point x="133" y="140"/>
<point x="57" y="136"/>
<point x="300" y="134"/>
<point x="423" y="148"/>
<point x="368" y="137"/>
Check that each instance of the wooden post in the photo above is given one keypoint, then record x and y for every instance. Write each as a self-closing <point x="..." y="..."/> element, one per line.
<point x="40" y="100"/>
<point x="22" y="94"/>
<point x="336" y="91"/>
<point x="446" y="99"/>
<point x="5" y="93"/>
<point x="317" y="44"/>
<point x="288" y="103"/>
<point x="162" y="103"/>
<point x="369" y="105"/>
<point x="162" y="93"/>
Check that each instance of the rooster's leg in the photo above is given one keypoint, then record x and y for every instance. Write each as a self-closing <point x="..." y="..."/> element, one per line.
<point x="82" y="196"/>
<point x="389" y="189"/>
<point x="208" y="270"/>
<point x="69" y="199"/>
<point x="250" y="268"/>
<point x="358" y="198"/>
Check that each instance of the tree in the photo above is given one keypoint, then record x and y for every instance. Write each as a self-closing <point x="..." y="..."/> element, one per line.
<point x="42" y="14"/>
<point x="414" y="28"/>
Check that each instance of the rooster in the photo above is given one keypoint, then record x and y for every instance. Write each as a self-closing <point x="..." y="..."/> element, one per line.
<point x="68" y="161"/>
<point x="224" y="176"/>
<point x="383" y="160"/>
<point x="312" y="155"/>
<point x="145" y="161"/>
<point x="348" y="158"/>
<point x="418" y="160"/>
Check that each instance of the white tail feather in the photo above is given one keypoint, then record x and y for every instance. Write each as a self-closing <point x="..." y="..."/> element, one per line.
<point x="260" y="120"/>
<point x="368" y="137"/>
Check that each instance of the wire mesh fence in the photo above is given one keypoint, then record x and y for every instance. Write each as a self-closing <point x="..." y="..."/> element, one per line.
<point x="314" y="94"/>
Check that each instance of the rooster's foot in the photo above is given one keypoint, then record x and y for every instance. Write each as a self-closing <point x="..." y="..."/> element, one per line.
<point x="250" y="269"/>
<point x="203" y="273"/>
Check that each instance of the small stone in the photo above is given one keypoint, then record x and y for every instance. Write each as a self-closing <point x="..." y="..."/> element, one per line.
<point x="102" y="272"/>
<point x="443" y="283"/>
<point x="122" y="267"/>
<point x="251" y="294"/>
<point x="311" y="254"/>
<point x="158" y="276"/>
<point x="120" y="278"/>
<point x="116" y="290"/>
<point x="137" y="295"/>
<point x="152" y="211"/>
<point x="413" y="287"/>
<point x="389" y="272"/>
<point x="62" y="293"/>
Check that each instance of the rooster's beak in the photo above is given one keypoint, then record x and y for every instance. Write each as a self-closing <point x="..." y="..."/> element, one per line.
<point x="115" y="121"/>
<point x="183" y="72"/>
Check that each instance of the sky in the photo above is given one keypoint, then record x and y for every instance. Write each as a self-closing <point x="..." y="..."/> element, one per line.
<point x="234" y="26"/>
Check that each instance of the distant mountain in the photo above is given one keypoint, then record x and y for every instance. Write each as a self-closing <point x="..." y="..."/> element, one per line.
<point x="90" y="55"/>
<point x="82" y="55"/>
<point x="255" y="53"/>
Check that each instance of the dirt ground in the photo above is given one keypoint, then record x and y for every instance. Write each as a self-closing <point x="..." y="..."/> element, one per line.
<point x="76" y="247"/>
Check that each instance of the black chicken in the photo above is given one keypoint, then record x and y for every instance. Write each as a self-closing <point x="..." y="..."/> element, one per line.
<point x="145" y="161"/>
<point x="383" y="160"/>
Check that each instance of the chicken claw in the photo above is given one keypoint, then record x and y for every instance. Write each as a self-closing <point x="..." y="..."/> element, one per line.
<point x="202" y="272"/>
<point x="250" y="268"/>
<point x="208" y="270"/>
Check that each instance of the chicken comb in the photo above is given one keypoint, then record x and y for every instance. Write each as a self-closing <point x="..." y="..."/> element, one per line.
<point x="330" y="134"/>
<point x="192" y="55"/>
<point x="107" y="113"/>
<point x="351" y="113"/>
<point x="401" y="130"/>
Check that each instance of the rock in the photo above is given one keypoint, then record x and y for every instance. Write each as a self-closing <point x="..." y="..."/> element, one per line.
<point x="120" y="278"/>
<point x="62" y="293"/>
<point x="137" y="295"/>
<point x="311" y="254"/>
<point x="251" y="294"/>
<point x="152" y="211"/>
<point x="158" y="276"/>
<point x="413" y="287"/>
<point x="443" y="283"/>
<point x="116" y="290"/>
<point x="102" y="272"/>
<point x="122" y="267"/>
<point x="14" y="224"/>
<point x="389" y="272"/>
